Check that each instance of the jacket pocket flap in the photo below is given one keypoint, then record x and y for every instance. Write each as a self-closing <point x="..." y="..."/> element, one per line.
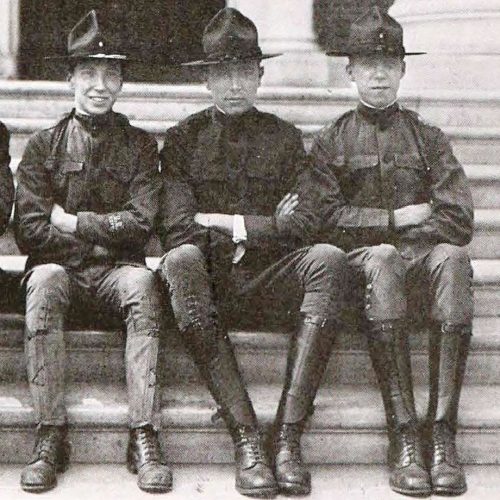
<point x="68" y="166"/>
<point x="409" y="161"/>
<point x="121" y="172"/>
<point x="363" y="161"/>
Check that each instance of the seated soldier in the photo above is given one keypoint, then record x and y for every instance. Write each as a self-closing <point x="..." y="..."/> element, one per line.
<point x="231" y="233"/>
<point x="6" y="182"/>
<point x="396" y="198"/>
<point x="87" y="198"/>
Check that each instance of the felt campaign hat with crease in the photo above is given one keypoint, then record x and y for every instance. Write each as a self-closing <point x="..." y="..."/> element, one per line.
<point x="230" y="37"/>
<point x="374" y="32"/>
<point x="88" y="40"/>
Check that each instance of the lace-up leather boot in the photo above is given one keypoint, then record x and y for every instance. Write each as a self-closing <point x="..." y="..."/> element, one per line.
<point x="449" y="346"/>
<point x="254" y="476"/>
<point x="213" y="353"/>
<point x="293" y="478"/>
<point x="406" y="461"/>
<point x="447" y="475"/>
<point x="144" y="459"/>
<point x="50" y="455"/>
<point x="390" y="355"/>
<point x="308" y="356"/>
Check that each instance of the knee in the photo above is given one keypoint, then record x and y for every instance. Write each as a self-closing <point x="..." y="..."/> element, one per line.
<point x="140" y="282"/>
<point x="52" y="278"/>
<point x="331" y="258"/>
<point x="385" y="256"/>
<point x="180" y="260"/>
<point x="452" y="255"/>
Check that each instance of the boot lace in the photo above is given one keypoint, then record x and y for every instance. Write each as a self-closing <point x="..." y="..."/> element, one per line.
<point x="407" y="443"/>
<point x="443" y="444"/>
<point x="289" y="438"/>
<point x="47" y="445"/>
<point x="251" y="441"/>
<point x="148" y="444"/>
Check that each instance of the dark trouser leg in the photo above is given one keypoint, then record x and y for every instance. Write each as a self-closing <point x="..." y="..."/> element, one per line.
<point x="47" y="301"/>
<point x="385" y="308"/>
<point x="184" y="273"/>
<point x="321" y="273"/>
<point x="450" y="275"/>
<point x="134" y="292"/>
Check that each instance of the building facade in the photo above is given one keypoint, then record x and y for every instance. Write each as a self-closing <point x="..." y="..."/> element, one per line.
<point x="460" y="36"/>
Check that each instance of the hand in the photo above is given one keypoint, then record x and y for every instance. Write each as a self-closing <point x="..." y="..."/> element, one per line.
<point x="99" y="252"/>
<point x="63" y="221"/>
<point x="286" y="206"/>
<point x="412" y="215"/>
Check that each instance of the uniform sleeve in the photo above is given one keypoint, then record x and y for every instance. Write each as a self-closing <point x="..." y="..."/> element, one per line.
<point x="452" y="217"/>
<point x="336" y="212"/>
<point x="295" y="178"/>
<point x="34" y="201"/>
<point x="132" y="225"/>
<point x="6" y="182"/>
<point x="179" y="205"/>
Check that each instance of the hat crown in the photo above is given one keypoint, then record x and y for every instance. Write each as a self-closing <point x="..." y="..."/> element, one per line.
<point x="375" y="31"/>
<point x="230" y="36"/>
<point x="87" y="40"/>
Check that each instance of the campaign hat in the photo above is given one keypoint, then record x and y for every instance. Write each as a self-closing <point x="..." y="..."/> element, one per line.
<point x="230" y="37"/>
<point x="88" y="39"/>
<point x="374" y="32"/>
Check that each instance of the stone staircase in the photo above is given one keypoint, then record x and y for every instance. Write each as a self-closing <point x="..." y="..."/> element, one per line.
<point x="348" y="424"/>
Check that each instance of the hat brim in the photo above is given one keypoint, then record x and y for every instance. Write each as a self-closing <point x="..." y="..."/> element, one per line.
<point x="208" y="62"/>
<point x="112" y="57"/>
<point x="341" y="53"/>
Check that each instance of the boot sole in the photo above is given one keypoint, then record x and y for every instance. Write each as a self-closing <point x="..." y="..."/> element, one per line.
<point x="412" y="493"/>
<point x="294" y="489"/>
<point x="37" y="489"/>
<point x="149" y="489"/>
<point x="156" y="489"/>
<point x="258" y="492"/>
<point x="449" y="492"/>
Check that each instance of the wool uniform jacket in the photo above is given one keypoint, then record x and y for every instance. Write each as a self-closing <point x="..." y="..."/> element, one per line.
<point x="370" y="163"/>
<point x="101" y="169"/>
<point x="6" y="182"/>
<point x="213" y="163"/>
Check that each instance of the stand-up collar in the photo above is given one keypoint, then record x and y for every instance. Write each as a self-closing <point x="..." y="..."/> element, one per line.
<point x="232" y="121"/>
<point x="378" y="116"/>
<point x="95" y="123"/>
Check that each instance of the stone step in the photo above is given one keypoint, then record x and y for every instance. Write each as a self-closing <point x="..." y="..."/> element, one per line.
<point x="97" y="356"/>
<point x="25" y="99"/>
<point x="348" y="425"/>
<point x="485" y="185"/>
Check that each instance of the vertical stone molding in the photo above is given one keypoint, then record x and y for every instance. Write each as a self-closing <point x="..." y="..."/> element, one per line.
<point x="461" y="40"/>
<point x="9" y="38"/>
<point x="286" y="27"/>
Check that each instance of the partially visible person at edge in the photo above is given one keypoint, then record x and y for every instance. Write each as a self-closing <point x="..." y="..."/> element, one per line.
<point x="6" y="182"/>
<point x="87" y="198"/>
<point x="396" y="199"/>
<point x="232" y="178"/>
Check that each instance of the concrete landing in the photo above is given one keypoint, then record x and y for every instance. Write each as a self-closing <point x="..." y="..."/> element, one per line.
<point x="216" y="482"/>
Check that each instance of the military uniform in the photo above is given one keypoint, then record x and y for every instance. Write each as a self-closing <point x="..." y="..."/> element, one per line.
<point x="104" y="171"/>
<point x="375" y="162"/>
<point x="6" y="183"/>
<point x="371" y="164"/>
<point x="244" y="164"/>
